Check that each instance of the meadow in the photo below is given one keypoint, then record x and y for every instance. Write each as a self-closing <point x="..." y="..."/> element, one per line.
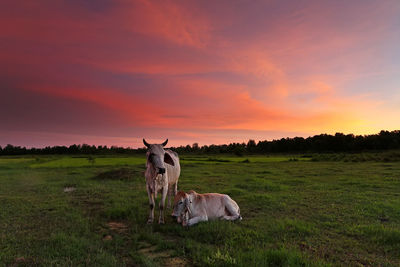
<point x="298" y="210"/>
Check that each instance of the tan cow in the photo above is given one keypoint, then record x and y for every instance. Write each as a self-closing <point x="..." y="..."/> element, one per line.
<point x="191" y="208"/>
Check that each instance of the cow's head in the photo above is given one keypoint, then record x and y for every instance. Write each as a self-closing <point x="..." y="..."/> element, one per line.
<point x="182" y="202"/>
<point x="157" y="157"/>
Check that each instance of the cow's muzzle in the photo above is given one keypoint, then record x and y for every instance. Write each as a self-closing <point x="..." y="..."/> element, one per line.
<point x="161" y="170"/>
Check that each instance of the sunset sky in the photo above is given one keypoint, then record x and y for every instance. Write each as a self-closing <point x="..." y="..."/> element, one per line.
<point x="110" y="72"/>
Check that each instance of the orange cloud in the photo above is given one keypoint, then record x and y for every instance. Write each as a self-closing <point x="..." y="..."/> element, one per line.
<point x="168" y="20"/>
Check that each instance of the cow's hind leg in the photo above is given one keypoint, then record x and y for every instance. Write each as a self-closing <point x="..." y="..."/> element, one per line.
<point x="170" y="192"/>
<point x="195" y="220"/>
<point x="232" y="218"/>
<point x="151" y="203"/>
<point x="232" y="213"/>
<point x="162" y="204"/>
<point x="175" y="188"/>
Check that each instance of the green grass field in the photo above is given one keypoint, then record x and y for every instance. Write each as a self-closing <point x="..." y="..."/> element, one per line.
<point x="297" y="211"/>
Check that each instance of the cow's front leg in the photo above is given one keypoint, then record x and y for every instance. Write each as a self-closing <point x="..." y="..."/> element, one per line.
<point x="151" y="202"/>
<point x="162" y="204"/>
<point x="197" y="219"/>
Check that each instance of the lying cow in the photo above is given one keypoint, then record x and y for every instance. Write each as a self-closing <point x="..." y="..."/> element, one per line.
<point x="191" y="208"/>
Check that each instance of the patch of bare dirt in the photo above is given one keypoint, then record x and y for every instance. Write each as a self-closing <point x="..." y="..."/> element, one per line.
<point x="118" y="174"/>
<point x="118" y="227"/>
<point x="164" y="256"/>
<point x="22" y="261"/>
<point x="152" y="253"/>
<point x="176" y="261"/>
<point x="107" y="238"/>
<point x="90" y="204"/>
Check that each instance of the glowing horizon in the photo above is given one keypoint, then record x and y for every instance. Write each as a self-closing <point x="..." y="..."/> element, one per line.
<point x="112" y="72"/>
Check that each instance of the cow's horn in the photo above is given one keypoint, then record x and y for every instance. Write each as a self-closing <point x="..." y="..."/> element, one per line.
<point x="145" y="143"/>
<point x="165" y="143"/>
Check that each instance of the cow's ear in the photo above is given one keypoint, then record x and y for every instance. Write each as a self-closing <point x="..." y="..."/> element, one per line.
<point x="168" y="159"/>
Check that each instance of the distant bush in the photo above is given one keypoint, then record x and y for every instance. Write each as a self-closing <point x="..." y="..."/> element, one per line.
<point x="239" y="151"/>
<point x="323" y="143"/>
<point x="384" y="156"/>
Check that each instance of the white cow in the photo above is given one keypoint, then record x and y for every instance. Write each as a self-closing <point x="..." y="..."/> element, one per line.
<point x="191" y="208"/>
<point x="162" y="174"/>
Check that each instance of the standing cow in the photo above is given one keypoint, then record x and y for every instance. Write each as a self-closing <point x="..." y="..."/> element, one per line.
<point x="162" y="174"/>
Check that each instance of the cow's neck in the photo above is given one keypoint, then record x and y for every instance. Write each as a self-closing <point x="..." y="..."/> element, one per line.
<point x="150" y="171"/>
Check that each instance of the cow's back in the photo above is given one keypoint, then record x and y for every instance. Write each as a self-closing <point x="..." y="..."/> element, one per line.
<point x="216" y="204"/>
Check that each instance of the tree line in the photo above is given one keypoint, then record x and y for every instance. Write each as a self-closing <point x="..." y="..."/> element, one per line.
<point x="339" y="142"/>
